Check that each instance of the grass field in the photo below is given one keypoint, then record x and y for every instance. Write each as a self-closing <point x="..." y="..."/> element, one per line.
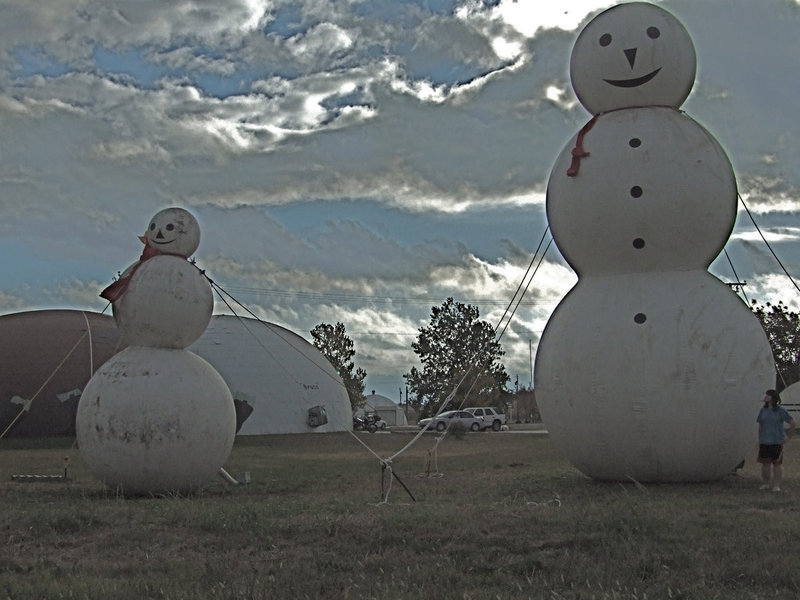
<point x="505" y="517"/>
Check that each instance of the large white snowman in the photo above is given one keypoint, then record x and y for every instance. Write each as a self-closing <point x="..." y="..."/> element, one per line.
<point x="650" y="368"/>
<point x="157" y="418"/>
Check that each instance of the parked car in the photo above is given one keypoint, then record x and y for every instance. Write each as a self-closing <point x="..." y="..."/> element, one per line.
<point x="491" y="417"/>
<point x="450" y="418"/>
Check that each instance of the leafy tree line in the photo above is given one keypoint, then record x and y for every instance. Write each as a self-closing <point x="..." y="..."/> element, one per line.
<point x="782" y="327"/>
<point x="334" y="343"/>
<point x="457" y="351"/>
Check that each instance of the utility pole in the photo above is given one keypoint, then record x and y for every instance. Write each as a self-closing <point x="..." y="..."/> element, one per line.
<point x="530" y="358"/>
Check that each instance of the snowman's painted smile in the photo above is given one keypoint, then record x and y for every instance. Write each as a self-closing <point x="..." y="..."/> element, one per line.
<point x="630" y="83"/>
<point x="162" y="242"/>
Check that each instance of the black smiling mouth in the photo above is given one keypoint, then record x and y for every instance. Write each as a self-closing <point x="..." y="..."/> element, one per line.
<point x="163" y="242"/>
<point x="631" y="83"/>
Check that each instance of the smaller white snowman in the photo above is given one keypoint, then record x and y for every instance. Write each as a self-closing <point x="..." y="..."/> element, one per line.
<point x="157" y="418"/>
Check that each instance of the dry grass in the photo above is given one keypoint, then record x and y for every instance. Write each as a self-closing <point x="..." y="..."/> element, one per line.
<point x="507" y="518"/>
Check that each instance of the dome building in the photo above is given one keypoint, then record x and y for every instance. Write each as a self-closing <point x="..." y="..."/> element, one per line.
<point x="280" y="382"/>
<point x="276" y="377"/>
<point x="790" y="400"/>
<point x="388" y="410"/>
<point x="46" y="359"/>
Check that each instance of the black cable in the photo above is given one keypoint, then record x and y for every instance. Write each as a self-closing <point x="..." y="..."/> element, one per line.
<point x="522" y="286"/>
<point x="522" y="281"/>
<point x="541" y="260"/>
<point x="736" y="276"/>
<point x="766" y="243"/>
<point x="220" y="293"/>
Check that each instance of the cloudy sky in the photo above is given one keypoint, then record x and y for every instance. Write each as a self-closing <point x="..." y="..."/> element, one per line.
<point x="356" y="161"/>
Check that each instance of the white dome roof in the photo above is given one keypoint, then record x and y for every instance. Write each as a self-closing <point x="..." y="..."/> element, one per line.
<point x="379" y="401"/>
<point x="276" y="373"/>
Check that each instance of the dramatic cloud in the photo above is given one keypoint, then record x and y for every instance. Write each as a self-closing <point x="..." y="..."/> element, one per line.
<point x="351" y="161"/>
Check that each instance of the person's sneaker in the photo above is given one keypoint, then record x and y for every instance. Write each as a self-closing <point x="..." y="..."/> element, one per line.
<point x="764" y="487"/>
<point x="777" y="488"/>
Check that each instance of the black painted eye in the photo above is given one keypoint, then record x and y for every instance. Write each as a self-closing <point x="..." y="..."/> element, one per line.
<point x="653" y="32"/>
<point x="170" y="227"/>
<point x="605" y="39"/>
<point x="152" y="226"/>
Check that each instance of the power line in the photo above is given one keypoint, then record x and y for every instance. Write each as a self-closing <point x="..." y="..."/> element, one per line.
<point x="321" y="296"/>
<point x="766" y="243"/>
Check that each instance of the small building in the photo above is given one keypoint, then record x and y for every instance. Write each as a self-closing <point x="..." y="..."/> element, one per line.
<point x="388" y="410"/>
<point x="790" y="400"/>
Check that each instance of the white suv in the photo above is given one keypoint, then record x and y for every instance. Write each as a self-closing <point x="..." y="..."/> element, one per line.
<point x="491" y="417"/>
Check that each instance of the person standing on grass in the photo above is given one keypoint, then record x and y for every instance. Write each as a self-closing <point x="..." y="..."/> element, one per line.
<point x="771" y="439"/>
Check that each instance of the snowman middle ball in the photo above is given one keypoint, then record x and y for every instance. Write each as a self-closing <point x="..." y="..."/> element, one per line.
<point x="168" y="304"/>
<point x="657" y="192"/>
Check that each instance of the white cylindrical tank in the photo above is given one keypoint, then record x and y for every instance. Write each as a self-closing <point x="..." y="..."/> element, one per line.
<point x="155" y="420"/>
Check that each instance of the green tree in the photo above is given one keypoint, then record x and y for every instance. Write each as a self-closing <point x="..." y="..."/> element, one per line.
<point x="523" y="407"/>
<point x="783" y="331"/>
<point x="338" y="348"/>
<point x="453" y="345"/>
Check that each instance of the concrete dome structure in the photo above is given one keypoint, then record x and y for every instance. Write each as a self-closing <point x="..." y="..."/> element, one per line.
<point x="46" y="359"/>
<point x="389" y="411"/>
<point x="274" y="375"/>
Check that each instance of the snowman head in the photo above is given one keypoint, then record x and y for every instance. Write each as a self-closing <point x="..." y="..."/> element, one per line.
<point x="173" y="231"/>
<point x="633" y="54"/>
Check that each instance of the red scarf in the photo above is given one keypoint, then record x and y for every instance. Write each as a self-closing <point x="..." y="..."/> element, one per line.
<point x="115" y="291"/>
<point x="578" y="151"/>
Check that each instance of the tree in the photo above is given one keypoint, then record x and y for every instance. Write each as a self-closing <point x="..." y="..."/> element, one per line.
<point x="338" y="348"/>
<point x="783" y="331"/>
<point x="523" y="406"/>
<point x="456" y="344"/>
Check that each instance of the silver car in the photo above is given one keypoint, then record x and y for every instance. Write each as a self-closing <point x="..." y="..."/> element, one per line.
<point x="450" y="418"/>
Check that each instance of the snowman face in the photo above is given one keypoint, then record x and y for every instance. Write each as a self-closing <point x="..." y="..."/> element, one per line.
<point x="173" y="231"/>
<point x="633" y="54"/>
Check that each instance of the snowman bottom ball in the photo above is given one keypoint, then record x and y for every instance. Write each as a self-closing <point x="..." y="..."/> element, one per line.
<point x="656" y="377"/>
<point x="155" y="420"/>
